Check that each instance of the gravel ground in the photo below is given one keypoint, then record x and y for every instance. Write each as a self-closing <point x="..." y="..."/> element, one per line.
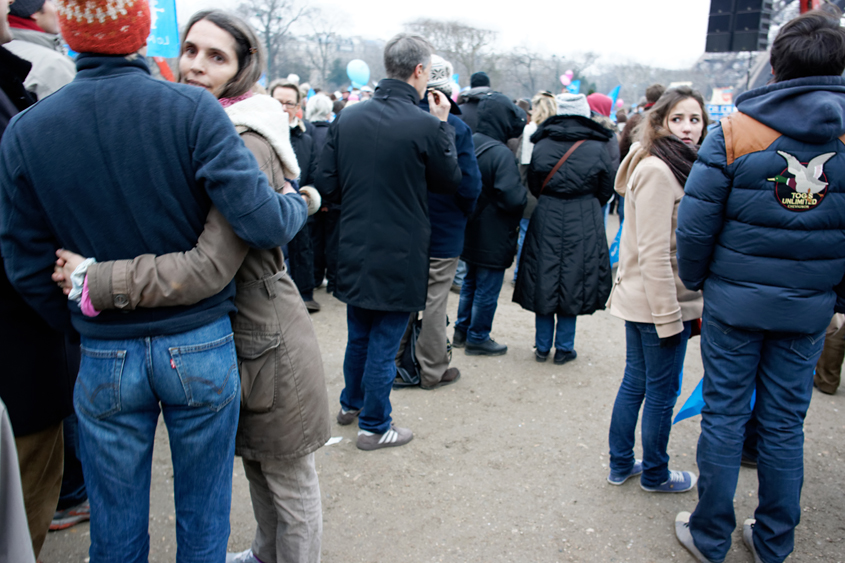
<point x="508" y="465"/>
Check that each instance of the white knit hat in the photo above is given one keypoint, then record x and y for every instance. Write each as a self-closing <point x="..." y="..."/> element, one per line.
<point x="572" y="104"/>
<point x="441" y="74"/>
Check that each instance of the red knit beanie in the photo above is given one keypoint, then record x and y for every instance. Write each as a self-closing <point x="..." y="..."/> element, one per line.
<point x="108" y="27"/>
<point x="600" y="103"/>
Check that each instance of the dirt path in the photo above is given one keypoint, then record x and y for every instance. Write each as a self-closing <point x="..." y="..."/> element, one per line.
<point x="509" y="465"/>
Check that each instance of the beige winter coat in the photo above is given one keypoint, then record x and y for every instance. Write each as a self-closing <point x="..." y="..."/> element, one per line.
<point x="647" y="287"/>
<point x="284" y="402"/>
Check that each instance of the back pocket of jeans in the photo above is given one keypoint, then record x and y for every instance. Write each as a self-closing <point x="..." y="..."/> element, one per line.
<point x="723" y="336"/>
<point x="98" y="384"/>
<point x="208" y="372"/>
<point x="808" y="347"/>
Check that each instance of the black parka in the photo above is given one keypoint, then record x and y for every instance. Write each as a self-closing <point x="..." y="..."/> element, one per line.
<point x="300" y="248"/>
<point x="493" y="228"/>
<point x="380" y="159"/>
<point x="39" y="363"/>
<point x="564" y="267"/>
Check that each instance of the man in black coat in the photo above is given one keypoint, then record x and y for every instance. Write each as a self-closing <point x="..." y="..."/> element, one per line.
<point x="380" y="159"/>
<point x="39" y="363"/>
<point x="300" y="251"/>
<point x="491" y="233"/>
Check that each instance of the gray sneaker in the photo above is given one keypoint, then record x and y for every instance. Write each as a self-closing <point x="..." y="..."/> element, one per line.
<point x="685" y="536"/>
<point x="345" y="418"/>
<point x="242" y="557"/>
<point x="395" y="436"/>
<point x="748" y="538"/>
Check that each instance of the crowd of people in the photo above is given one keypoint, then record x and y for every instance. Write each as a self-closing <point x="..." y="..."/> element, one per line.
<point x="176" y="278"/>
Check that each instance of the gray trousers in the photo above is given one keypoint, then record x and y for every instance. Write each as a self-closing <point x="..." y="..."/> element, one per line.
<point x="286" y="502"/>
<point x="431" y="344"/>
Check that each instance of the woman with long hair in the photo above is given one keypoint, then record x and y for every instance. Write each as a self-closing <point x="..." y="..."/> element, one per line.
<point x="284" y="414"/>
<point x="648" y="294"/>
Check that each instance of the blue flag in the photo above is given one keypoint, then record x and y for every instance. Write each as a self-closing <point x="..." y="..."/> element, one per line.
<point x="164" y="31"/>
<point x="695" y="403"/>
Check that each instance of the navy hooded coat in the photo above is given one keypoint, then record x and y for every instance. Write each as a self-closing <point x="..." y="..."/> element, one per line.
<point x="762" y="226"/>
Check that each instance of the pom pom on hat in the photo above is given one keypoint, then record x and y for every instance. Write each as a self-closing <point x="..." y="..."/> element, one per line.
<point x="107" y="27"/>
<point x="441" y="74"/>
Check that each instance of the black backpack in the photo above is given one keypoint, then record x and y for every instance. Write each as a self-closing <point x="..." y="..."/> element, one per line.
<point x="408" y="368"/>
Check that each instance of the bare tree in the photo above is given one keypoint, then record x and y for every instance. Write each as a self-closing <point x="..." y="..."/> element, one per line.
<point x="322" y="46"/>
<point x="466" y="47"/>
<point x="273" y="20"/>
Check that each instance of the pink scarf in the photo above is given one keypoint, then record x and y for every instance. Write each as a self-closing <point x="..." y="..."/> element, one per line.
<point x="226" y="102"/>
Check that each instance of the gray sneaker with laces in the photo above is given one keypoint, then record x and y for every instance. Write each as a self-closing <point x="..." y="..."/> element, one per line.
<point x="395" y="436"/>
<point x="678" y="482"/>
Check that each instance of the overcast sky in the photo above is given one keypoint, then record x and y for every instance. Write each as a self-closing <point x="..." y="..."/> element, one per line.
<point x="667" y="33"/>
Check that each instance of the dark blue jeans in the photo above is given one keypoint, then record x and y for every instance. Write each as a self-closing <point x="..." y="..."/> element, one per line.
<point x="780" y="367"/>
<point x="73" y="483"/>
<point x="479" y="298"/>
<point x="123" y="386"/>
<point x="369" y="368"/>
<point x="544" y="331"/>
<point x="651" y="375"/>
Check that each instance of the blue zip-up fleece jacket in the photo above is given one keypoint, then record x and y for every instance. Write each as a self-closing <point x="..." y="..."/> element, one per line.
<point x="762" y="226"/>
<point x="117" y="164"/>
<point x="448" y="213"/>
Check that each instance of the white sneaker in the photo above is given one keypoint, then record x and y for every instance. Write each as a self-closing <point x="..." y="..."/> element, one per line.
<point x="242" y="557"/>
<point x="684" y="536"/>
<point x="748" y="538"/>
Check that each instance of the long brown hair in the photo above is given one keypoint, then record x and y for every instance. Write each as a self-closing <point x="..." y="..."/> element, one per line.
<point x="652" y="127"/>
<point x="251" y="57"/>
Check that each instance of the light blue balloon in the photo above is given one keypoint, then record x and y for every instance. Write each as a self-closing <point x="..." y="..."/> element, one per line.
<point x="358" y="71"/>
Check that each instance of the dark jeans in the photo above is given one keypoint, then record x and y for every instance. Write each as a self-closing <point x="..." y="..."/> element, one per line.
<point x="324" y="239"/>
<point x="73" y="483"/>
<point x="368" y="367"/>
<point x="544" y="332"/>
<point x="479" y="298"/>
<point x="651" y="375"/>
<point x="780" y="367"/>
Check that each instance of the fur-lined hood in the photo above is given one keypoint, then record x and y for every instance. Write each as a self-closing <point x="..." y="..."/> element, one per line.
<point x="265" y="116"/>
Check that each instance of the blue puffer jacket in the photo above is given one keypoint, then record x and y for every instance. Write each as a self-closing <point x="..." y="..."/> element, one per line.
<point x="762" y="226"/>
<point x="448" y="213"/>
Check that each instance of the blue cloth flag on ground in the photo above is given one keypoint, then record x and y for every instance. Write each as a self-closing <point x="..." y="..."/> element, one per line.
<point x="614" y="247"/>
<point x="164" y="31"/>
<point x="695" y="403"/>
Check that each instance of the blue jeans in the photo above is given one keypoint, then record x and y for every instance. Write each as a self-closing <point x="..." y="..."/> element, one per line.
<point x="122" y="387"/>
<point x="544" y="329"/>
<point x="523" y="226"/>
<point x="651" y="375"/>
<point x="780" y="367"/>
<point x="73" y="483"/>
<point x="460" y="273"/>
<point x="477" y="306"/>
<point x="369" y="365"/>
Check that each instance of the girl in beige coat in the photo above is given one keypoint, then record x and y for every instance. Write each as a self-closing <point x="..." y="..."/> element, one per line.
<point x="284" y="405"/>
<point x="649" y="295"/>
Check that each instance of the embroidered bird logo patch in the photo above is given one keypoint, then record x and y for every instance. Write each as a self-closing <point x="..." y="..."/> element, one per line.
<point x="807" y="187"/>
